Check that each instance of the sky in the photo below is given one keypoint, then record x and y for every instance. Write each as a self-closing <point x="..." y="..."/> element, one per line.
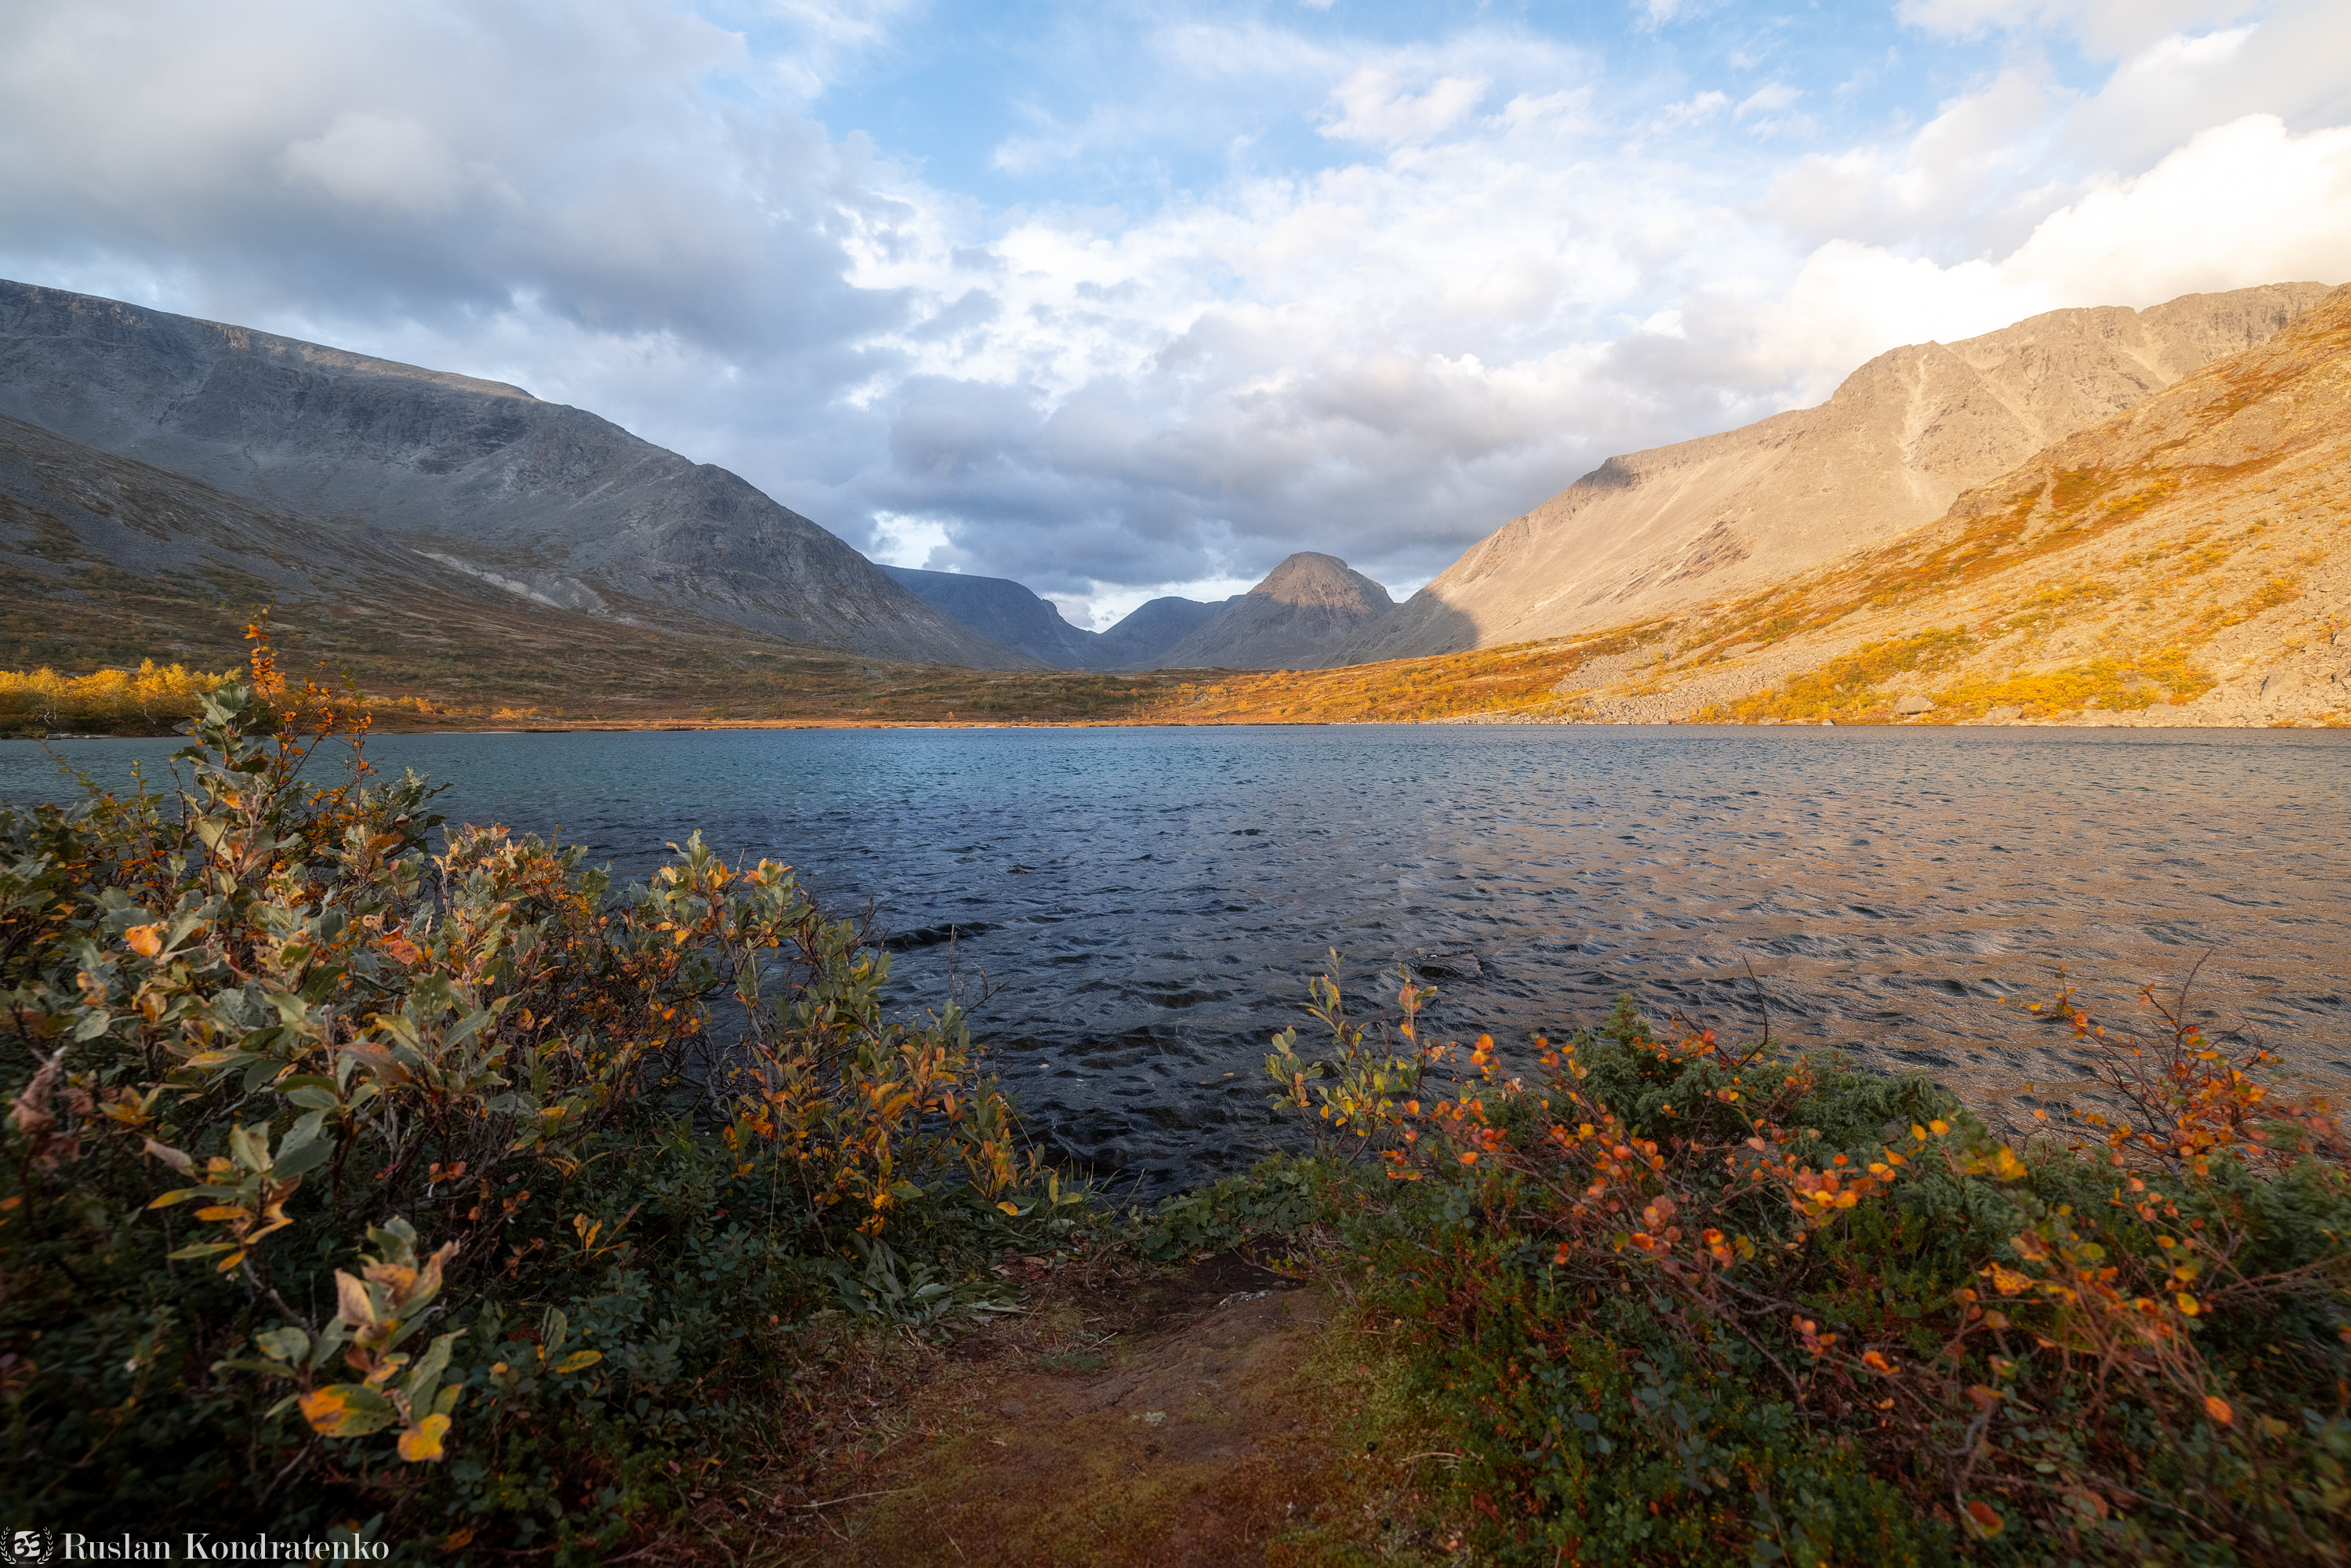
<point x="1121" y="299"/>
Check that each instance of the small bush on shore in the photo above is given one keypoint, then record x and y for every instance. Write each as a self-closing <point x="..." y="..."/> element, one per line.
<point x="353" y="1189"/>
<point x="1688" y="1304"/>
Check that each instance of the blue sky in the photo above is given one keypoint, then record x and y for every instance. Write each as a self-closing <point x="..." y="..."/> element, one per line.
<point x="1130" y="298"/>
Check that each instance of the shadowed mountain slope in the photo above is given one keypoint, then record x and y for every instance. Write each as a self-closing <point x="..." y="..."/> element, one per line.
<point x="548" y="503"/>
<point x="1150" y="628"/>
<point x="1713" y="520"/>
<point x="1014" y="615"/>
<point x="1305" y="611"/>
<point x="1004" y="612"/>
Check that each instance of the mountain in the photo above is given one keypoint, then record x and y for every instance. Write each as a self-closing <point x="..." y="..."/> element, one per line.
<point x="1010" y="613"/>
<point x="2185" y="562"/>
<point x="1004" y="612"/>
<point x="1150" y="628"/>
<point x="548" y="502"/>
<point x="1305" y="611"/>
<point x="1712" y="520"/>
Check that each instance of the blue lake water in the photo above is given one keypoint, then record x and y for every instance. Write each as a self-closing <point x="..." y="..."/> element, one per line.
<point x="1154" y="899"/>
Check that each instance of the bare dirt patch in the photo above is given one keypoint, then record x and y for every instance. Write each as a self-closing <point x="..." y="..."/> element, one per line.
<point x="1217" y="1414"/>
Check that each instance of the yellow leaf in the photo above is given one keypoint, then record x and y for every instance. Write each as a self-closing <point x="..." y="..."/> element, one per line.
<point x="352" y="1303"/>
<point x="345" y="1410"/>
<point x="1010" y="1208"/>
<point x="422" y="1442"/>
<point x="579" y="1361"/>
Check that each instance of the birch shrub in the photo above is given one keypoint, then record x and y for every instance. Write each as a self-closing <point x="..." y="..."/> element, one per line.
<point x="347" y="1187"/>
<point x="1687" y="1303"/>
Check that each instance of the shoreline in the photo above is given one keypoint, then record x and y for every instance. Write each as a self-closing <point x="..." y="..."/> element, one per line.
<point x="662" y="727"/>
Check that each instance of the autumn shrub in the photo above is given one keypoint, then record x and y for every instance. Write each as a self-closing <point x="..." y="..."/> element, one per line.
<point x="1687" y="1303"/>
<point x="1851" y="681"/>
<point x="142" y="701"/>
<point x="462" y="1201"/>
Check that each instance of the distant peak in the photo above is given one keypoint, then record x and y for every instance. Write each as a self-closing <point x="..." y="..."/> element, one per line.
<point x="1322" y="581"/>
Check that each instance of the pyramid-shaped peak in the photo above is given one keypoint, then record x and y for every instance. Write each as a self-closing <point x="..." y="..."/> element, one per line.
<point x="1324" y="582"/>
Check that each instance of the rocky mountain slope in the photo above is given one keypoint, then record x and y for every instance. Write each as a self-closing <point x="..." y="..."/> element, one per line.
<point x="107" y="560"/>
<point x="1712" y="520"/>
<point x="550" y="505"/>
<point x="2185" y="562"/>
<point x="1307" y="609"/>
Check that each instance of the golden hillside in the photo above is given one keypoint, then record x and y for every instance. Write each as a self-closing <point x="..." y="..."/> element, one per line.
<point x="2186" y="562"/>
<point x="1737" y="513"/>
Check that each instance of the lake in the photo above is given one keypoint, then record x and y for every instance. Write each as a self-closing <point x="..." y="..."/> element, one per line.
<point x="1154" y="899"/>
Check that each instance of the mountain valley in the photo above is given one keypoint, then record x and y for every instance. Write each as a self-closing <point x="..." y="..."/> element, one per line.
<point x="2164" y="544"/>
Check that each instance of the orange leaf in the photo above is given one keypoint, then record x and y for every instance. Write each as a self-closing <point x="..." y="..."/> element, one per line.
<point x="145" y="940"/>
<point x="1984" y="1517"/>
<point x="2218" y="1408"/>
<point x="2008" y="1281"/>
<point x="422" y="1442"/>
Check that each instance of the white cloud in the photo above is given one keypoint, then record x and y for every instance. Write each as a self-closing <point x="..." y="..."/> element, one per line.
<point x="1374" y="108"/>
<point x="1702" y="106"/>
<point x="1765" y="98"/>
<point x="2240" y="204"/>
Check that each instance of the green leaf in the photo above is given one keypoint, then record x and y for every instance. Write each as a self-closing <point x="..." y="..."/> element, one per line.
<point x="266" y="1368"/>
<point x="426" y="1374"/>
<point x="308" y="1157"/>
<point x="200" y="1249"/>
<point x="286" y="1343"/>
<point x="469" y="1027"/>
<point x="312" y="1098"/>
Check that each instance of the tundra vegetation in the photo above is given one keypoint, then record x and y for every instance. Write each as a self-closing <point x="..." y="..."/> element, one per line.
<point x="469" y="1203"/>
<point x="1681" y="1301"/>
<point x="352" y="1188"/>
